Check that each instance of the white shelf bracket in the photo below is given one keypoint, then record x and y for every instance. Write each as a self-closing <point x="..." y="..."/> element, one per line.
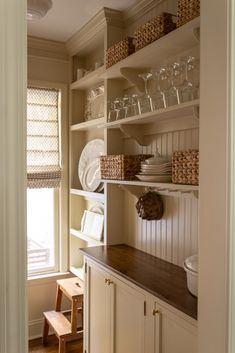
<point x="135" y="132"/>
<point x="196" y="111"/>
<point x="137" y="191"/>
<point x="132" y="76"/>
<point x="196" y="33"/>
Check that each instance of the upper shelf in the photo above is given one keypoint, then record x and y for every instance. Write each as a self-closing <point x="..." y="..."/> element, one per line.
<point x="88" y="81"/>
<point x="158" y="52"/>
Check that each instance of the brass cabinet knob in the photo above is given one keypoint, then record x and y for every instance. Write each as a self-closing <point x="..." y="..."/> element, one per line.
<point x="156" y="312"/>
<point x="108" y="281"/>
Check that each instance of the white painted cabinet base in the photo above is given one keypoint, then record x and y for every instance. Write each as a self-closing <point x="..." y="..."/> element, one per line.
<point x="120" y="317"/>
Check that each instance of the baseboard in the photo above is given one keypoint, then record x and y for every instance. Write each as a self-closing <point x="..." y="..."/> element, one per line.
<point x="35" y="329"/>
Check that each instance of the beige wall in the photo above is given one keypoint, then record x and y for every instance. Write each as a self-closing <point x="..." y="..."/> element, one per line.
<point x="213" y="235"/>
<point x="47" y="61"/>
<point x="47" y="69"/>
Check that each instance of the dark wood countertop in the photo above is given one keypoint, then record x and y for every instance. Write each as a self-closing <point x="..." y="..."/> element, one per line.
<point x="158" y="277"/>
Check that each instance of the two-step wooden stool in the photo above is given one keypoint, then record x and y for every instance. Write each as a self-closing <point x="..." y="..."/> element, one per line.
<point x="64" y="329"/>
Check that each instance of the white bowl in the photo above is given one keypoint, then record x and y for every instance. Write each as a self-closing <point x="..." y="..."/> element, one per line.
<point x="191" y="268"/>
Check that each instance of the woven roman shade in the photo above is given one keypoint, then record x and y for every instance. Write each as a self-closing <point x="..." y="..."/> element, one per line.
<point x="43" y="143"/>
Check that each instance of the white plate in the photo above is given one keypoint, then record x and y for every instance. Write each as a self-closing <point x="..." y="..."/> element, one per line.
<point x="89" y="165"/>
<point x="168" y="164"/>
<point x="155" y="173"/>
<point x="156" y="161"/>
<point x="152" y="169"/>
<point x="158" y="178"/>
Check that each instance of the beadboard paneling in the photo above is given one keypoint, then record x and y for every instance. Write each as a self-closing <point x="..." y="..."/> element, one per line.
<point x="175" y="236"/>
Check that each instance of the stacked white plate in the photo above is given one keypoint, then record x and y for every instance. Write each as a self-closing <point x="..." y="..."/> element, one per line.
<point x="89" y="166"/>
<point x="155" y="169"/>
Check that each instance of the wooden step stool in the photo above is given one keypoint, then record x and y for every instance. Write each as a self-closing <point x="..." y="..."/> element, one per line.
<point x="64" y="329"/>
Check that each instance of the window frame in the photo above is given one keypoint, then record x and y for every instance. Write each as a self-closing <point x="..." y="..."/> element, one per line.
<point x="61" y="194"/>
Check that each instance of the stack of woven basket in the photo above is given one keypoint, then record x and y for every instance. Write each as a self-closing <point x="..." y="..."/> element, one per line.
<point x="119" y="51"/>
<point x="187" y="10"/>
<point x="185" y="167"/>
<point x="154" y="29"/>
<point x="121" y="167"/>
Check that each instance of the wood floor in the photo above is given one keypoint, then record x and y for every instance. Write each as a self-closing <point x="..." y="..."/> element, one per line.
<point x="36" y="346"/>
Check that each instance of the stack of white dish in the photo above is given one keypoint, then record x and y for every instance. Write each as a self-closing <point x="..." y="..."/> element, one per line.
<point x="89" y="166"/>
<point x="155" y="169"/>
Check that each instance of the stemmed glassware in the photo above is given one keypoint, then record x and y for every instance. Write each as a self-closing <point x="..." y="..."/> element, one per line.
<point x="145" y="101"/>
<point x="176" y="83"/>
<point x="159" y="100"/>
<point x="193" y="73"/>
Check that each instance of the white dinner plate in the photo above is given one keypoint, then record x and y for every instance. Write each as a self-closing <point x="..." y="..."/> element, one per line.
<point x="89" y="165"/>
<point x="157" y="178"/>
<point x="156" y="169"/>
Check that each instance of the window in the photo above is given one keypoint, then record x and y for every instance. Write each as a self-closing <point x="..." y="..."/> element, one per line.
<point x="44" y="178"/>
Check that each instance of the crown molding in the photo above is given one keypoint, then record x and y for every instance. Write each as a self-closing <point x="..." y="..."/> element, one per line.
<point x="139" y="9"/>
<point x="45" y="48"/>
<point x="114" y="17"/>
<point x="88" y="34"/>
<point x="93" y="31"/>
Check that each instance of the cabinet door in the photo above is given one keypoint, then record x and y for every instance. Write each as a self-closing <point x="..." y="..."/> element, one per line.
<point x="173" y="334"/>
<point x="128" y="318"/>
<point x="97" y="312"/>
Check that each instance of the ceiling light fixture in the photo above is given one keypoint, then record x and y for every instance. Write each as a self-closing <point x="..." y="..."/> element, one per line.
<point x="37" y="9"/>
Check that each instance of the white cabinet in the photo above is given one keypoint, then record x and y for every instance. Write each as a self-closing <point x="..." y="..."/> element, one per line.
<point x="122" y="318"/>
<point x="172" y="334"/>
<point x="114" y="314"/>
<point x="97" y="312"/>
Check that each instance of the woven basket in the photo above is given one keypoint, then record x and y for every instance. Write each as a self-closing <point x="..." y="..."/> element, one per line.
<point x="121" y="167"/>
<point x="119" y="51"/>
<point x="187" y="10"/>
<point x="150" y="206"/>
<point x="185" y="167"/>
<point x="154" y="29"/>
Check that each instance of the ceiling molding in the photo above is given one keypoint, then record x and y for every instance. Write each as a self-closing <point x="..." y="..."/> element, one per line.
<point x="47" y="49"/>
<point x="142" y="7"/>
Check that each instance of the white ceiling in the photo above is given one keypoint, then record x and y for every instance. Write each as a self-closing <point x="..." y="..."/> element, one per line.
<point x="67" y="16"/>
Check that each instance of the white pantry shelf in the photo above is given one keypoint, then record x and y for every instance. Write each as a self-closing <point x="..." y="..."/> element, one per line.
<point x="88" y="194"/>
<point x="173" y="112"/>
<point x="88" y="125"/>
<point x="80" y="235"/>
<point x="187" y="115"/>
<point x="88" y="81"/>
<point x="172" y="44"/>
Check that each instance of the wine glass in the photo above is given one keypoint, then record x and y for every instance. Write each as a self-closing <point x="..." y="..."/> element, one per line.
<point x="111" y="112"/>
<point x="145" y="100"/>
<point x="193" y="73"/>
<point x="187" y="89"/>
<point x="159" y="100"/>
